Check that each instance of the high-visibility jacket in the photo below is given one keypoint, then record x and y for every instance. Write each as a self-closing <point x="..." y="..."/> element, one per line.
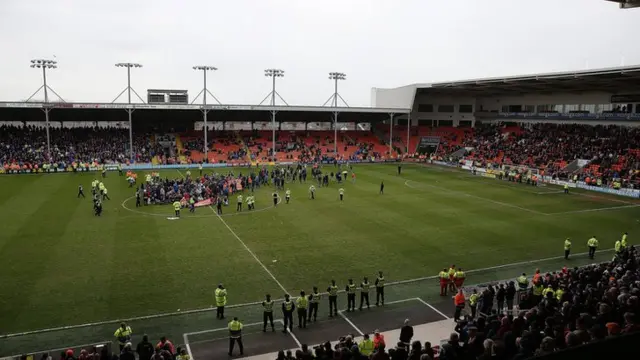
<point x="287" y="305"/>
<point x="302" y="302"/>
<point x="351" y="288"/>
<point x="593" y="242"/>
<point x="443" y="276"/>
<point x="522" y="282"/>
<point x="559" y="294"/>
<point x="452" y="272"/>
<point x="316" y="298"/>
<point x="123" y="335"/>
<point x="618" y="246"/>
<point x="333" y="290"/>
<point x="537" y="290"/>
<point x="235" y="329"/>
<point x="567" y="244"/>
<point x="267" y="306"/>
<point x="623" y="242"/>
<point x="380" y="282"/>
<point x="546" y="291"/>
<point x="473" y="299"/>
<point x="459" y="275"/>
<point x="365" y="286"/>
<point x="221" y="297"/>
<point x="366" y="347"/>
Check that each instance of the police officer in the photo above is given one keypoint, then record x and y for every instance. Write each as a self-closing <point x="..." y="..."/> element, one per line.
<point x="364" y="292"/>
<point x="380" y="289"/>
<point x="523" y="282"/>
<point x="333" y="299"/>
<point x="593" y="245"/>
<point x="267" y="314"/>
<point x="623" y="241"/>
<point x="221" y="301"/>
<point x="314" y="299"/>
<point x="235" y="335"/>
<point x="302" y="303"/>
<point x="287" y="312"/>
<point x="239" y="206"/>
<point x="566" y="188"/>
<point x="351" y="295"/>
<point x="473" y="303"/>
<point x="123" y="334"/>
<point x="567" y="248"/>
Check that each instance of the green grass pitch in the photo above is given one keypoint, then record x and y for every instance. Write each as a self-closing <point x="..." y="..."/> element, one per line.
<point x="63" y="266"/>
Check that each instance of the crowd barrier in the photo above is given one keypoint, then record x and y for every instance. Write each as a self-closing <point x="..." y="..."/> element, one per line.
<point x="632" y="193"/>
<point x="149" y="166"/>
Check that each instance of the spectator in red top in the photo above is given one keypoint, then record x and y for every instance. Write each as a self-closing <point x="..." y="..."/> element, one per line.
<point x="165" y="344"/>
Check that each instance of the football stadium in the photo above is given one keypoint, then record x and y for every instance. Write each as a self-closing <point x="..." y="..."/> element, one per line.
<point x="485" y="218"/>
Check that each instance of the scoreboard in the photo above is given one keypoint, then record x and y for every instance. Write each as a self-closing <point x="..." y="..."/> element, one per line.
<point x="172" y="97"/>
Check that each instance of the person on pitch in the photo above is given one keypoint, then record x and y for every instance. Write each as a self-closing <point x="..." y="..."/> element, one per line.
<point x="351" y="295"/>
<point x="287" y="312"/>
<point x="239" y="206"/>
<point x="314" y="299"/>
<point x="302" y="302"/>
<point x="267" y="313"/>
<point x="221" y="301"/>
<point x="333" y="299"/>
<point x="235" y="335"/>
<point x="364" y="292"/>
<point x="380" y="288"/>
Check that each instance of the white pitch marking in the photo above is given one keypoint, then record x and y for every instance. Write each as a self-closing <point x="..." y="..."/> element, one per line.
<point x="350" y="323"/>
<point x="433" y="308"/>
<point x="596" y="209"/>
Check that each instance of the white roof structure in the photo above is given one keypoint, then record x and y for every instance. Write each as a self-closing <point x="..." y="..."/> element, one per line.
<point x="625" y="78"/>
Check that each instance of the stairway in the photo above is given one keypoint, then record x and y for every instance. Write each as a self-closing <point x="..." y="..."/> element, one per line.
<point x="182" y="158"/>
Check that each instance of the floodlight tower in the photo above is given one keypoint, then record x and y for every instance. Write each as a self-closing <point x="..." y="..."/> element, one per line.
<point x="273" y="74"/>
<point x="336" y="76"/>
<point x="44" y="65"/>
<point x="204" y="69"/>
<point x="130" y="109"/>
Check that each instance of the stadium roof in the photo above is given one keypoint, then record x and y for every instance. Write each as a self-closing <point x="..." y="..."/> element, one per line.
<point x="609" y="79"/>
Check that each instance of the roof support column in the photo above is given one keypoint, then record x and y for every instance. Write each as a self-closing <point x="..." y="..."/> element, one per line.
<point x="391" y="133"/>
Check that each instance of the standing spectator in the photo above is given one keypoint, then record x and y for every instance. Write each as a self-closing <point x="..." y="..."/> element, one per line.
<point x="165" y="344"/>
<point x="406" y="332"/>
<point x="127" y="353"/>
<point x="144" y="348"/>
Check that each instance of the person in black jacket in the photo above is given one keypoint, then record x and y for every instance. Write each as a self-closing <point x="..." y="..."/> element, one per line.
<point x="406" y="333"/>
<point x="500" y="296"/>
<point x="145" y="348"/>
<point x="510" y="294"/>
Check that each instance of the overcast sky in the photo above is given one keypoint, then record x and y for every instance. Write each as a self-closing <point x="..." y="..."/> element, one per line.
<point x="377" y="43"/>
